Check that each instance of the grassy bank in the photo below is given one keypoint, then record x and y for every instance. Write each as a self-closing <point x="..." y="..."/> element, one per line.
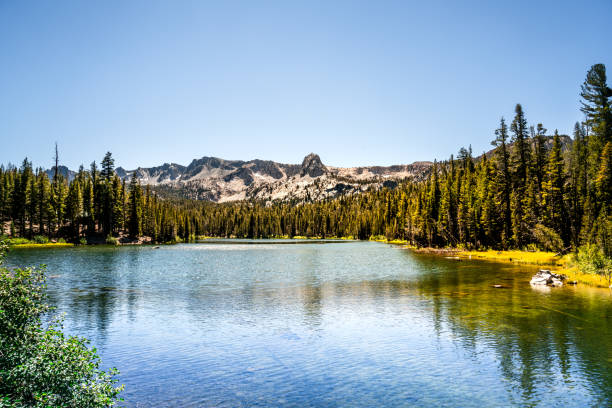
<point x="520" y="257"/>
<point x="47" y="245"/>
<point x="573" y="274"/>
<point x="38" y="242"/>
<point x="565" y="264"/>
<point x="382" y="238"/>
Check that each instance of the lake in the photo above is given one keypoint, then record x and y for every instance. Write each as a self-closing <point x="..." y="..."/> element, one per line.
<point x="328" y="324"/>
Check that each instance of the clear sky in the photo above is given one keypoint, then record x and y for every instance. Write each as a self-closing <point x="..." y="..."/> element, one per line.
<point x="358" y="82"/>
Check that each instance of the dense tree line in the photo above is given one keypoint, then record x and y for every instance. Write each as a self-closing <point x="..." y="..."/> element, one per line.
<point x="535" y="190"/>
<point x="95" y="203"/>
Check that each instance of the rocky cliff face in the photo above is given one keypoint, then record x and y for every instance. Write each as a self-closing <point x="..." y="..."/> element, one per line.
<point x="312" y="166"/>
<point x="214" y="179"/>
<point x="63" y="170"/>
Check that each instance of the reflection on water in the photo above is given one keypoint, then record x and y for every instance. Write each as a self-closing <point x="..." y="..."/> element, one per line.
<point x="258" y="323"/>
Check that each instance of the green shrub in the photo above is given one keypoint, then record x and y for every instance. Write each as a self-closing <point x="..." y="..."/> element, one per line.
<point x="61" y="241"/>
<point x="110" y="240"/>
<point x="17" y="241"/>
<point x="547" y="238"/>
<point x="591" y="259"/>
<point x="42" y="367"/>
<point x="40" y="239"/>
<point x="83" y="241"/>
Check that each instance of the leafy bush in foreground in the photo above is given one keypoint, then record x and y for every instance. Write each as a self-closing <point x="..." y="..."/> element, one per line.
<point x="43" y="367"/>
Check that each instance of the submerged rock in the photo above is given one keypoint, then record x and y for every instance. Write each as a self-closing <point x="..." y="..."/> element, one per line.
<point x="547" y="278"/>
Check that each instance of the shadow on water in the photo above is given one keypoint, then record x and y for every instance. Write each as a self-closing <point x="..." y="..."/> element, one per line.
<point x="537" y="336"/>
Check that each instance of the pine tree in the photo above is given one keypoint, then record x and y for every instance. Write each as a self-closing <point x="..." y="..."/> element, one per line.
<point x="578" y="183"/>
<point x="521" y="157"/>
<point x="3" y="199"/>
<point x="554" y="191"/>
<point x="117" y="198"/>
<point x="45" y="209"/>
<point x="135" y="208"/>
<point x="596" y="96"/>
<point x="108" y="167"/>
<point x="58" y="202"/>
<point x="596" y="105"/>
<point x="504" y="181"/>
<point x="489" y="214"/>
<point x="447" y="211"/>
<point x="21" y="196"/>
<point x="88" y="205"/>
<point x="603" y="181"/>
<point x="521" y="161"/>
<point x="540" y="156"/>
<point x="74" y="207"/>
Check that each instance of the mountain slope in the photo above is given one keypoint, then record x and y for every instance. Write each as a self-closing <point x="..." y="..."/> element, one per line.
<point x="219" y="180"/>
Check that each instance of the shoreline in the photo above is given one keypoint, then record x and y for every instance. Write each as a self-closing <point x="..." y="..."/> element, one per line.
<point x="561" y="264"/>
<point x="145" y="242"/>
<point x="46" y="245"/>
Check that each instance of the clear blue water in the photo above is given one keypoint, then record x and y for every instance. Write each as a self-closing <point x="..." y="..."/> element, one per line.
<point x="353" y="324"/>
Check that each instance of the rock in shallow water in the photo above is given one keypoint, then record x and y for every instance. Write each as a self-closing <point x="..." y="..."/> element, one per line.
<point x="548" y="278"/>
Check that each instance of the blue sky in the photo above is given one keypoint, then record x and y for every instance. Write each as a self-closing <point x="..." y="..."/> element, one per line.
<point x="358" y="82"/>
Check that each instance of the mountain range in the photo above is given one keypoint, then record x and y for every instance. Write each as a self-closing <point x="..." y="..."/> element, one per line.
<point x="219" y="180"/>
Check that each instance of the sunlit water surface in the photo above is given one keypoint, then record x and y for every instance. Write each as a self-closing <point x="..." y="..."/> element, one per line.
<point x="357" y="324"/>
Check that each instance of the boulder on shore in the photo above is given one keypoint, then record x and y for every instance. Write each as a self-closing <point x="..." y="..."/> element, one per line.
<point x="547" y="278"/>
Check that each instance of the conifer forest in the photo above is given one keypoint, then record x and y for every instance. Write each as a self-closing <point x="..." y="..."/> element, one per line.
<point x="535" y="189"/>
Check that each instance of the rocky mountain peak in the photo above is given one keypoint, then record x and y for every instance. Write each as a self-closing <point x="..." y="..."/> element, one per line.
<point x="220" y="180"/>
<point x="313" y="166"/>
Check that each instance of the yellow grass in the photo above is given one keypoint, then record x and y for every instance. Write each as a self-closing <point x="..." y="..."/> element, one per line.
<point x="397" y="242"/>
<point x="563" y="264"/>
<point x="522" y="257"/>
<point x="573" y="274"/>
<point x="47" y="245"/>
<point x="382" y="238"/>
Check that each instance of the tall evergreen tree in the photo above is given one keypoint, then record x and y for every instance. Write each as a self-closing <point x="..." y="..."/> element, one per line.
<point x="504" y="181"/>
<point x="108" y="167"/>
<point x="540" y="154"/>
<point x="554" y="192"/>
<point x="521" y="162"/>
<point x="135" y="208"/>
<point x="595" y="102"/>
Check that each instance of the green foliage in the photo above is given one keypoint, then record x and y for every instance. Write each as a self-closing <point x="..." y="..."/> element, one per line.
<point x="591" y="259"/>
<point x="596" y="96"/>
<point x="40" y="239"/>
<point x="110" y="240"/>
<point x="547" y="239"/>
<point x="42" y="367"/>
<point x="136" y="208"/>
<point x="16" y="241"/>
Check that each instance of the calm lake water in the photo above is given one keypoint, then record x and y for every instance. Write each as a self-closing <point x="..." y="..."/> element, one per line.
<point x="353" y="324"/>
